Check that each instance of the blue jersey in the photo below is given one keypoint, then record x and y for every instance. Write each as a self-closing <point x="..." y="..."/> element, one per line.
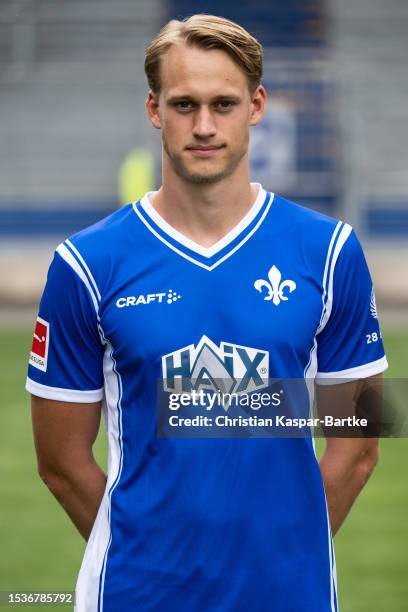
<point x="205" y="524"/>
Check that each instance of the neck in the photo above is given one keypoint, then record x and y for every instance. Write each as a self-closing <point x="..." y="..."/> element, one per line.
<point x="205" y="212"/>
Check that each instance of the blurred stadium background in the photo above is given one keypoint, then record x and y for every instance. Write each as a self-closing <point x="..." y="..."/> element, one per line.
<point x="75" y="143"/>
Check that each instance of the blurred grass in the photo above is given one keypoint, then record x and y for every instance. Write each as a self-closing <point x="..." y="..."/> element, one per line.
<point x="41" y="549"/>
<point x="371" y="546"/>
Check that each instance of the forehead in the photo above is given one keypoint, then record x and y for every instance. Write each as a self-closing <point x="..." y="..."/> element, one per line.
<point x="187" y="69"/>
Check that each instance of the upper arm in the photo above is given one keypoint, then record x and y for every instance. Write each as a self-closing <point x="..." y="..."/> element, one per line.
<point x="349" y="343"/>
<point x="350" y="352"/>
<point x="66" y="360"/>
<point x="64" y="433"/>
<point x="65" y="375"/>
<point x="361" y="398"/>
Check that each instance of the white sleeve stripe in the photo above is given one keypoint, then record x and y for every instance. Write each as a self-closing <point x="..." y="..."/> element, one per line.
<point x="72" y="262"/>
<point x="361" y="371"/>
<point x="329" y="252"/>
<point x="83" y="262"/>
<point x="63" y="395"/>
<point x="344" y="234"/>
<point x="326" y="268"/>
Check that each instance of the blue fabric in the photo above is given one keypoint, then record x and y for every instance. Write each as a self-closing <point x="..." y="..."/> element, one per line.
<point x="209" y="524"/>
<point x="75" y="352"/>
<point x="352" y="336"/>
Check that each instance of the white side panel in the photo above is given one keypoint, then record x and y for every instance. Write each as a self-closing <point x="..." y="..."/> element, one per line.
<point x="94" y="561"/>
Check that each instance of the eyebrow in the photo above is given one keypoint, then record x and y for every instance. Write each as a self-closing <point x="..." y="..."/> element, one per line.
<point x="219" y="98"/>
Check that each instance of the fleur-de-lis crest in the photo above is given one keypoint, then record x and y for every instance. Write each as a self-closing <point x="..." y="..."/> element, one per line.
<point x="275" y="288"/>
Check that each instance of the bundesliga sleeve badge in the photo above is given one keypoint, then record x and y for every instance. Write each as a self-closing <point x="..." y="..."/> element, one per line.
<point x="39" y="348"/>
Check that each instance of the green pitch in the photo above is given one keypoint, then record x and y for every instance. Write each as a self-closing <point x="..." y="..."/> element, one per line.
<point x="41" y="550"/>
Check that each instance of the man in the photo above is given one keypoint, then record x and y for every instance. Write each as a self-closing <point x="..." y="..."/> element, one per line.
<point x="209" y="270"/>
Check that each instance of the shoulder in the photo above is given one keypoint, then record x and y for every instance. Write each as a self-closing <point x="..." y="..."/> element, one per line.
<point x="304" y="218"/>
<point x="94" y="251"/>
<point x="112" y="228"/>
<point x="318" y="239"/>
<point x="310" y="228"/>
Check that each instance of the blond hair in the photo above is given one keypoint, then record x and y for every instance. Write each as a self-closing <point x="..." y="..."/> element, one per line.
<point x="206" y="32"/>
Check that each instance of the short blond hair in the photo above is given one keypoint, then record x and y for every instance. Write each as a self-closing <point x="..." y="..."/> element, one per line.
<point x="206" y="32"/>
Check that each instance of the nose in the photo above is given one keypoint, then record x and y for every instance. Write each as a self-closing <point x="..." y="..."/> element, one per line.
<point x="204" y="124"/>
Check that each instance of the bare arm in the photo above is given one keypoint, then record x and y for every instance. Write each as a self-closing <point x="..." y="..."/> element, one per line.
<point x="347" y="463"/>
<point x="64" y="434"/>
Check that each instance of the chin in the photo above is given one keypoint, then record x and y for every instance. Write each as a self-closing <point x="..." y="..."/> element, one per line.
<point x="204" y="177"/>
<point x="201" y="176"/>
<point x="209" y="173"/>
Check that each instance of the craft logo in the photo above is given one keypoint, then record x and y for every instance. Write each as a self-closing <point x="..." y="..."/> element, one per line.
<point x="166" y="297"/>
<point x="39" y="349"/>
<point x="229" y="368"/>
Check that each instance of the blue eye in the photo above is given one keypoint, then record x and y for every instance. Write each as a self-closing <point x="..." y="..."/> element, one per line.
<point x="225" y="104"/>
<point x="184" y="105"/>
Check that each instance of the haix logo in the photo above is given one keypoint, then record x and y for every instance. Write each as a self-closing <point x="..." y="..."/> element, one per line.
<point x="227" y="368"/>
<point x="275" y="289"/>
<point x="167" y="297"/>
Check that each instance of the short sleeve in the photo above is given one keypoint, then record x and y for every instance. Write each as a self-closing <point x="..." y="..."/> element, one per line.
<point x="349" y="343"/>
<point x="66" y="358"/>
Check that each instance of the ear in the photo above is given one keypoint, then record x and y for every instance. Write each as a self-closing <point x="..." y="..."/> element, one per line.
<point x="153" y="109"/>
<point x="258" y="105"/>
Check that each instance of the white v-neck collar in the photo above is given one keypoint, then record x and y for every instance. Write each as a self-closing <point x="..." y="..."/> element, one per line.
<point x="194" y="246"/>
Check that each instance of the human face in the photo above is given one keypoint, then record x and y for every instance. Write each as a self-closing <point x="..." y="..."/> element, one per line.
<point x="204" y="110"/>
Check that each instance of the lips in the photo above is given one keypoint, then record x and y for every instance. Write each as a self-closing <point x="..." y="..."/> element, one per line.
<point x="204" y="151"/>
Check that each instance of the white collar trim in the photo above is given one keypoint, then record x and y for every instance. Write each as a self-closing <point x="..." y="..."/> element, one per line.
<point x="194" y="246"/>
